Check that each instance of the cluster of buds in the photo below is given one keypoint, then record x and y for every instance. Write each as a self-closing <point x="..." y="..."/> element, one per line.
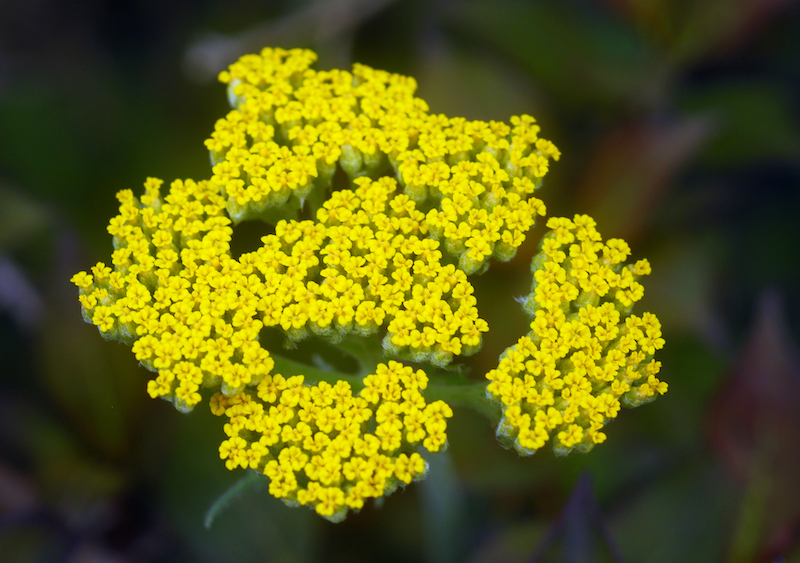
<point x="585" y="353"/>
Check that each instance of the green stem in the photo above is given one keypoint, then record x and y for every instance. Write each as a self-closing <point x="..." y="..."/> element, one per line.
<point x="753" y="510"/>
<point x="225" y="500"/>
<point x="368" y="352"/>
<point x="287" y="368"/>
<point x="442" y="512"/>
<point x="317" y="197"/>
<point x="471" y="394"/>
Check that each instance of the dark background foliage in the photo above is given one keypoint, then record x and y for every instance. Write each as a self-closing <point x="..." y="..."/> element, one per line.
<point x="679" y="129"/>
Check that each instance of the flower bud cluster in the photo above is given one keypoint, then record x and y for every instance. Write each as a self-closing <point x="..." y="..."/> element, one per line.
<point x="292" y="125"/>
<point x="585" y="354"/>
<point x="193" y="313"/>
<point x="175" y="294"/>
<point x="323" y="447"/>
<point x="364" y="264"/>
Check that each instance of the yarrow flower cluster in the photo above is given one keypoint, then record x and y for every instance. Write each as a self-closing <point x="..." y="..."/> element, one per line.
<point x="373" y="267"/>
<point x="313" y="441"/>
<point x="585" y="352"/>
<point x="195" y="317"/>
<point x="292" y="125"/>
<point x="381" y="251"/>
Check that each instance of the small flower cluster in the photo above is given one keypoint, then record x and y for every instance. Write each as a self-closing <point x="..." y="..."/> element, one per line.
<point x="325" y="448"/>
<point x="586" y="354"/>
<point x="175" y="294"/>
<point x="364" y="264"/>
<point x="483" y="198"/>
<point x="293" y="124"/>
<point x="193" y="313"/>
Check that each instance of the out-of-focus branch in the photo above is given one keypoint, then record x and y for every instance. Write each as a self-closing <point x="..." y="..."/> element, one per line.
<point x="319" y="22"/>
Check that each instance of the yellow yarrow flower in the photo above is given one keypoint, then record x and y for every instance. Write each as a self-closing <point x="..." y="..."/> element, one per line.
<point x="292" y="124"/>
<point x="193" y="313"/>
<point x="315" y="443"/>
<point x="430" y="200"/>
<point x="585" y="355"/>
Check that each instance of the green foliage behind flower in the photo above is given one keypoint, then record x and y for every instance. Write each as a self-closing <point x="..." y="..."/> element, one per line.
<point x="386" y="259"/>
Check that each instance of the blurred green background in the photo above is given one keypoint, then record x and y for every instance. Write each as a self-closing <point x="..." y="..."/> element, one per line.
<point x="679" y="129"/>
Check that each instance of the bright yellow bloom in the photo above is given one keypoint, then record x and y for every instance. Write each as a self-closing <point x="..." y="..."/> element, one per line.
<point x="292" y="124"/>
<point x="430" y="200"/>
<point x="586" y="354"/>
<point x="349" y="273"/>
<point x="327" y="457"/>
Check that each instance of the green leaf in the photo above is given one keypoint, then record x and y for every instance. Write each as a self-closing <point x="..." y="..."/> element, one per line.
<point x="581" y="56"/>
<point x="20" y="218"/>
<point x="754" y="121"/>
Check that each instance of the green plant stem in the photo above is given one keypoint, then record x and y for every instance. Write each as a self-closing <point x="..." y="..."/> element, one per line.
<point x="226" y="498"/>
<point x="287" y="368"/>
<point x="471" y="394"/>
<point x="368" y="352"/>
<point x="749" y="531"/>
<point x="442" y="510"/>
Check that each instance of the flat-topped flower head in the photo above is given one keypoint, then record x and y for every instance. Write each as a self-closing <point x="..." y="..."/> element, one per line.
<point x="378" y="212"/>
<point x="363" y="265"/>
<point x="193" y="313"/>
<point x="291" y="126"/>
<point x="176" y="295"/>
<point x="324" y="447"/>
<point x="585" y="354"/>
